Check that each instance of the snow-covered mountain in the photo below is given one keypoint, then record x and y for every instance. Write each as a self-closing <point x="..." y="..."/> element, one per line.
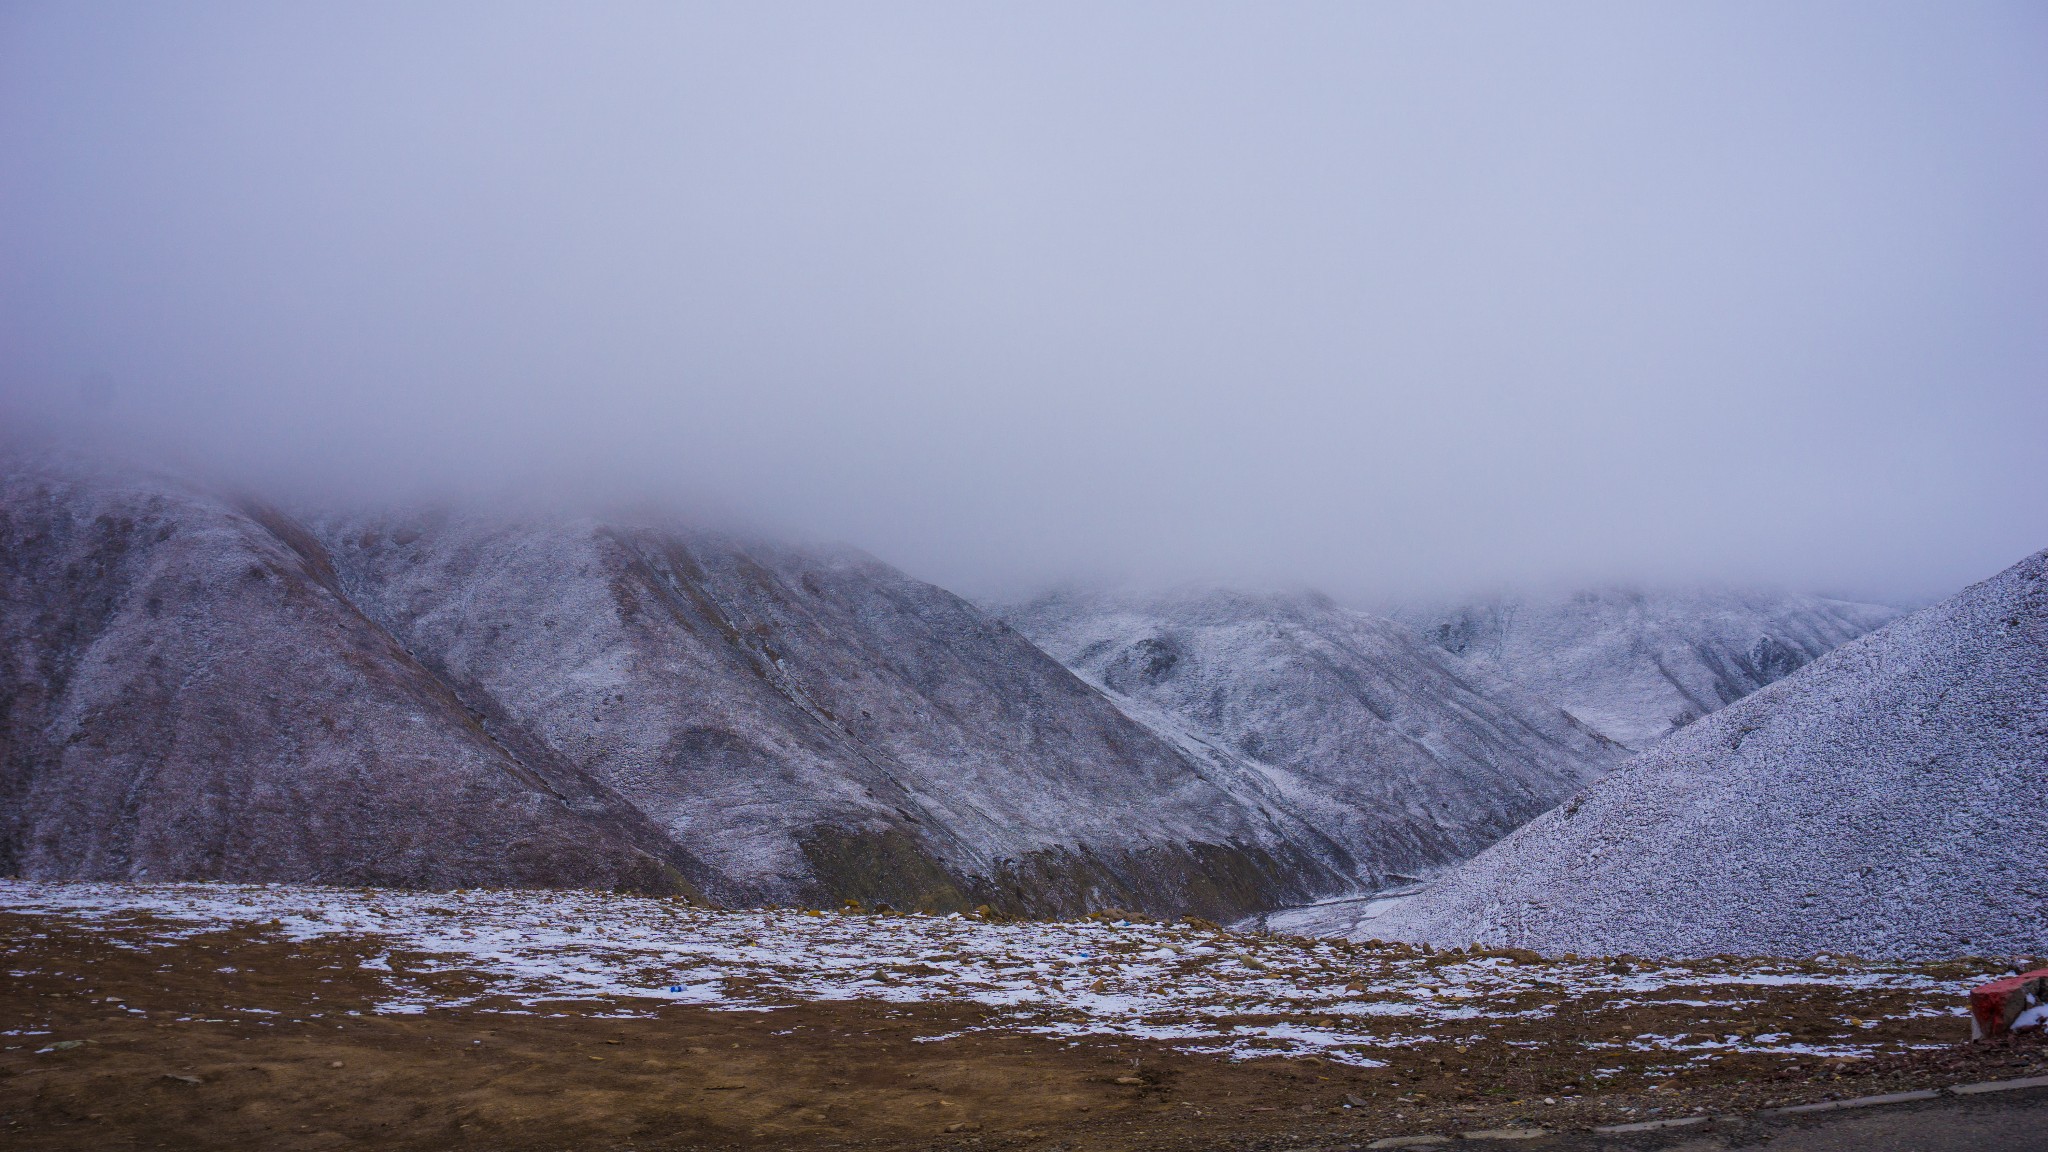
<point x="1401" y="755"/>
<point x="1636" y="664"/>
<point x="1884" y="800"/>
<point x="187" y="692"/>
<point x="814" y="723"/>
<point x="200" y="687"/>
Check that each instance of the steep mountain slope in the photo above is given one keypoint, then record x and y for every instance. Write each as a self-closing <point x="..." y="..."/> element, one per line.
<point x="812" y="724"/>
<point x="1885" y="800"/>
<point x="1389" y="748"/>
<point x="1638" y="665"/>
<point x="195" y="687"/>
<point x="185" y="694"/>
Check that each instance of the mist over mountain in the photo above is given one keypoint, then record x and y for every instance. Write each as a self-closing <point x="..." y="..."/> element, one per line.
<point x="1884" y="800"/>
<point x="1357" y="298"/>
<point x="863" y="549"/>
<point x="1637" y="664"/>
<point x="657" y="302"/>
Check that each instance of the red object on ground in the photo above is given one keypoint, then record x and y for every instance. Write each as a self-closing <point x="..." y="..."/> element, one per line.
<point x="1994" y="1006"/>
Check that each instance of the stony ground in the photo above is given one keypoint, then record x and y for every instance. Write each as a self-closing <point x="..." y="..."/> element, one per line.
<point x="243" y="1017"/>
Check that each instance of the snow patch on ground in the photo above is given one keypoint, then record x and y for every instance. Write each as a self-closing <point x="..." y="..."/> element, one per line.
<point x="1198" y="990"/>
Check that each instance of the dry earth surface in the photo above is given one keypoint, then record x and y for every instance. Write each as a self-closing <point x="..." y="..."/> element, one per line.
<point x="134" y="1026"/>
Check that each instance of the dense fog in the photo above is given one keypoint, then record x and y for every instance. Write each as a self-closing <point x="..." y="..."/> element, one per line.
<point x="1386" y="299"/>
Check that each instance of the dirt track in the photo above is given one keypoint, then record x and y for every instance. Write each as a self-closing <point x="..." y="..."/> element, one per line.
<point x="274" y="1059"/>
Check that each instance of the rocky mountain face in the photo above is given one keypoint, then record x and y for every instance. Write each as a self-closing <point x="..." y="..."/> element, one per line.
<point x="1399" y="754"/>
<point x="188" y="692"/>
<point x="195" y="687"/>
<point x="1638" y="665"/>
<point x="1884" y="800"/>
<point x="814" y="724"/>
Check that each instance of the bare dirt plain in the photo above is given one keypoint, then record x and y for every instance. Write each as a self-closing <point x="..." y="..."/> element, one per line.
<point x="123" y="1035"/>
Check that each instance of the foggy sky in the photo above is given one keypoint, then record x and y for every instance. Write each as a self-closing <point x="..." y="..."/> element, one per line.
<point x="1382" y="298"/>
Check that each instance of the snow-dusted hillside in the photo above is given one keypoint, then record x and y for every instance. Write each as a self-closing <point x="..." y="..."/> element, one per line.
<point x="1639" y="664"/>
<point x="201" y="688"/>
<point x="187" y="693"/>
<point x="1885" y="800"/>
<point x="1401" y="755"/>
<point x="811" y="724"/>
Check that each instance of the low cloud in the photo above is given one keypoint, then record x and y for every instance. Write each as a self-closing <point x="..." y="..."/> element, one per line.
<point x="1382" y="299"/>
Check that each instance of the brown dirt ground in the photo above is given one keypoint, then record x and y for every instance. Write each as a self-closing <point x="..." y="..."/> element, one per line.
<point x="304" y="1074"/>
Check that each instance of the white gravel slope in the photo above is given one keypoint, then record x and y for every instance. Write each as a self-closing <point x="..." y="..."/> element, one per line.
<point x="1886" y="800"/>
